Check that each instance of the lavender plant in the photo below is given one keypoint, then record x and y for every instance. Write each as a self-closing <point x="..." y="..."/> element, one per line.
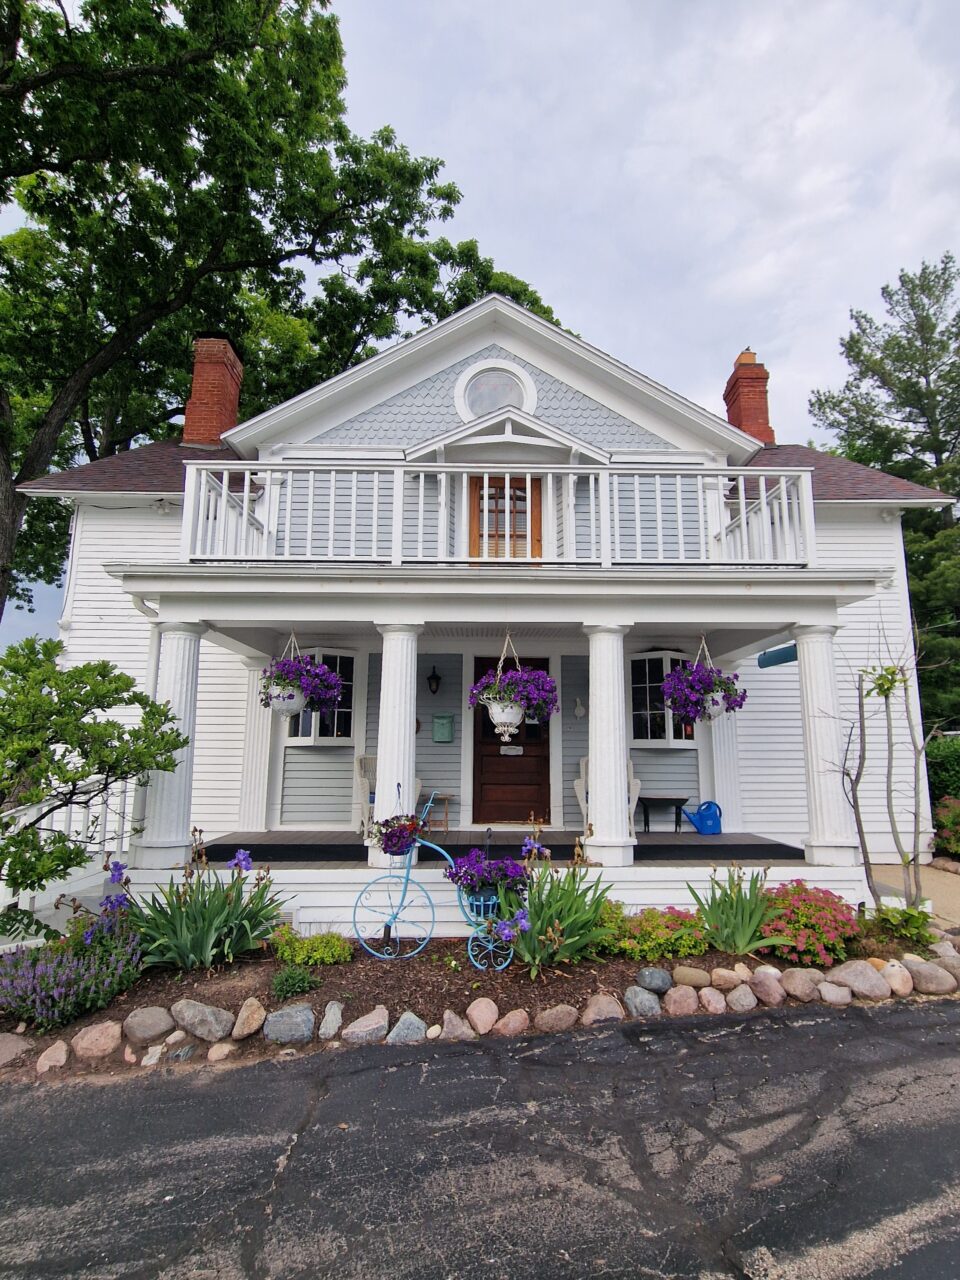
<point x="694" y="690"/>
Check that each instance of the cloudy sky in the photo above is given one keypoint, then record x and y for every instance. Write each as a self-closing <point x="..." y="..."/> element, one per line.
<point x="679" y="178"/>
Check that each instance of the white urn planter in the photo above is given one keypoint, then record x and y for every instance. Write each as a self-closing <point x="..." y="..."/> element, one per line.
<point x="286" y="701"/>
<point x="507" y="717"/>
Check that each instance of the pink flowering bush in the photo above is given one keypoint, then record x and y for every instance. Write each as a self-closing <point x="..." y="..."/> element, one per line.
<point x="817" y="922"/>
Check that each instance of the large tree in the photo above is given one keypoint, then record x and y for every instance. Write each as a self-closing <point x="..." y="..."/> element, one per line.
<point x="188" y="166"/>
<point x="899" y="410"/>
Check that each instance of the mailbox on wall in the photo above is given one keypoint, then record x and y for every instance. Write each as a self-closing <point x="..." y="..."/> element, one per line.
<point x="443" y="728"/>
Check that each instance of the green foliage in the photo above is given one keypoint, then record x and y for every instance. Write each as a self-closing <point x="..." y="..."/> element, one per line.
<point x="205" y="921"/>
<point x="898" y="411"/>
<point x="651" y="935"/>
<point x="734" y="914"/>
<point x="947" y="820"/>
<point x="293" y="980"/>
<point x="943" y="768"/>
<point x="903" y="924"/>
<point x="319" y="948"/>
<point x="564" y="910"/>
<point x="64" y="744"/>
<point x="817" y="925"/>
<point x="187" y="167"/>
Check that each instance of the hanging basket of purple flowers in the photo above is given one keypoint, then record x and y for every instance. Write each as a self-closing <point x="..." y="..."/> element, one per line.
<point x="514" y="695"/>
<point x="297" y="682"/>
<point x="398" y="835"/>
<point x="479" y="877"/>
<point x="700" y="691"/>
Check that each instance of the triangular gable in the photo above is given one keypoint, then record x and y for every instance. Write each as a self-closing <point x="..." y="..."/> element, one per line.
<point x="510" y="429"/>
<point x="618" y="408"/>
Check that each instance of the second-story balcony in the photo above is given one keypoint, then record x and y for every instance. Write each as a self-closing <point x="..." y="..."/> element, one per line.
<point x="415" y="514"/>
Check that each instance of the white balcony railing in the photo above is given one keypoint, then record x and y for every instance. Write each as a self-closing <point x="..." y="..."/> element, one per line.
<point x="436" y="514"/>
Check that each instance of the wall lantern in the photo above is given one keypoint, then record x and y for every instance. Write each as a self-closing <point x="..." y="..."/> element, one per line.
<point x="433" y="680"/>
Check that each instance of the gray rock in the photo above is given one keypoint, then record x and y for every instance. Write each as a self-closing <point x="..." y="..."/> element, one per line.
<point x="292" y="1024"/>
<point x="143" y="1026"/>
<point x="11" y="1047"/>
<point x="654" y="979"/>
<point x="767" y="988"/>
<point x="250" y="1019"/>
<point x="688" y="975"/>
<point x="456" y="1028"/>
<point x="712" y="1000"/>
<point x="559" y="1017"/>
<point x="817" y="975"/>
<point x="862" y="979"/>
<point x="833" y="993"/>
<point x="641" y="1003"/>
<point x="944" y="950"/>
<point x="331" y="1022"/>
<point x="930" y="979"/>
<point x="681" y="1002"/>
<point x="951" y="964"/>
<point x="741" y="999"/>
<point x="800" y="985"/>
<point x="183" y="1054"/>
<point x="205" y="1021"/>
<point x="409" y="1029"/>
<point x="370" y="1029"/>
<point x="153" y="1055"/>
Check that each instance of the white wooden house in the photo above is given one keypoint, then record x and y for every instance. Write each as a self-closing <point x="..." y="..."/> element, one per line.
<point x="493" y="472"/>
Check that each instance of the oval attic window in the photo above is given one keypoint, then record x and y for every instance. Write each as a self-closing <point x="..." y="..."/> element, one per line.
<point x="493" y="389"/>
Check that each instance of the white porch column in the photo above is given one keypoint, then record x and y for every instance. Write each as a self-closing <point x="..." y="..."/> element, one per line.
<point x="257" y="736"/>
<point x="726" y="770"/>
<point x="610" y="842"/>
<point x="831" y="838"/>
<point x="397" y="732"/>
<point x="166" y="833"/>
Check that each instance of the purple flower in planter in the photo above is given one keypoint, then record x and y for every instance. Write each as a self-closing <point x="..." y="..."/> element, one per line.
<point x="241" y="861"/>
<point x="694" y="689"/>
<point x="321" y="687"/>
<point x="532" y="688"/>
<point x="475" y="871"/>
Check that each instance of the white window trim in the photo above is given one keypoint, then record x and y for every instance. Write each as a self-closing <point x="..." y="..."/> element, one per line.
<point x="506" y="366"/>
<point x="315" y="739"/>
<point x="669" y="743"/>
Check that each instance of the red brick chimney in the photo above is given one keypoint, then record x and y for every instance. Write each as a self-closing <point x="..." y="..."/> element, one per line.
<point x="215" y="393"/>
<point x="745" y="396"/>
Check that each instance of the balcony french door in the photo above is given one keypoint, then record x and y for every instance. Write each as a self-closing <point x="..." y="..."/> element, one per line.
<point x="505" y="523"/>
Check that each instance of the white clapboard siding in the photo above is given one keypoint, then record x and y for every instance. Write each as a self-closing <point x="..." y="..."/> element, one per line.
<point x="873" y="631"/>
<point x="317" y="786"/>
<point x="99" y="621"/>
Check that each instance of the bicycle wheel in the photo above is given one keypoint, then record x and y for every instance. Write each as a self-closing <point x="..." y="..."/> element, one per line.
<point x="487" y="950"/>
<point x="393" y="918"/>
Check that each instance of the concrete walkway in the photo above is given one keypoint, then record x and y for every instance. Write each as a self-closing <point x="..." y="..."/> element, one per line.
<point x="941" y="887"/>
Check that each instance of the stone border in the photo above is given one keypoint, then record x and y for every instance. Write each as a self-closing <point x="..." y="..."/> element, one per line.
<point x="189" y="1029"/>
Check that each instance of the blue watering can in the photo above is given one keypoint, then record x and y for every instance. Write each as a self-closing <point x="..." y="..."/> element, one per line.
<point x="706" y="820"/>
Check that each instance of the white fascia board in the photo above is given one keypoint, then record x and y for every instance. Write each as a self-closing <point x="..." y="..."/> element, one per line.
<point x="109" y="497"/>
<point x="892" y="503"/>
<point x="334" y="452"/>
<point x="469" y="431"/>
<point x="508" y="317"/>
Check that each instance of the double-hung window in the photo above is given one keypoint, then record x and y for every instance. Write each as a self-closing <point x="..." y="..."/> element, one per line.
<point x="336" y="725"/>
<point x="652" y="720"/>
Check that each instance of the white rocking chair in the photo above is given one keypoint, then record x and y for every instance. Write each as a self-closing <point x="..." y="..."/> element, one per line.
<point x="633" y="793"/>
<point x="366" y="783"/>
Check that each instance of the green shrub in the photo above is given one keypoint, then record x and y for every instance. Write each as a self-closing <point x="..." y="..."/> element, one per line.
<point x="816" y="923"/>
<point x="651" y="934"/>
<point x="293" y="980"/>
<point x="564" y="914"/>
<point x="320" y="948"/>
<point x="205" y="921"/>
<point x="902" y="924"/>
<point x="947" y="821"/>
<point x="734" y="914"/>
<point x="943" y="768"/>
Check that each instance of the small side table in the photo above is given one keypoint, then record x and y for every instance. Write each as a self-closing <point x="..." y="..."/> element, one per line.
<point x="433" y="823"/>
<point x="676" y="801"/>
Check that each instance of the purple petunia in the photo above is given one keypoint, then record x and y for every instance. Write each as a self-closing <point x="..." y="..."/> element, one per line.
<point x="241" y="861"/>
<point x="321" y="687"/>
<point x="476" y="871"/>
<point x="694" y="689"/>
<point x="532" y="688"/>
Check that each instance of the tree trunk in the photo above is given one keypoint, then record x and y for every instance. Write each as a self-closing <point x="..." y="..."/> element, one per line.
<point x="12" y="508"/>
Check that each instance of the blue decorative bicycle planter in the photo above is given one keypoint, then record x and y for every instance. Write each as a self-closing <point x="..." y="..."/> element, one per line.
<point x="394" y="915"/>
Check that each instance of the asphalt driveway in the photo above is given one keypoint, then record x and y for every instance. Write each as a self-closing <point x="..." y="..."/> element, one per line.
<point x="791" y="1146"/>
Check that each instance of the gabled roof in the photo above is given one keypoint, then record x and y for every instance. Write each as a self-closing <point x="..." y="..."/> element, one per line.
<point x="155" y="469"/>
<point x="840" y="480"/>
<point x="492" y="319"/>
<point x="533" y="432"/>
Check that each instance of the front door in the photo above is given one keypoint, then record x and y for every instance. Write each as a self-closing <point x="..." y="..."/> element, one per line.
<point x="510" y="780"/>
